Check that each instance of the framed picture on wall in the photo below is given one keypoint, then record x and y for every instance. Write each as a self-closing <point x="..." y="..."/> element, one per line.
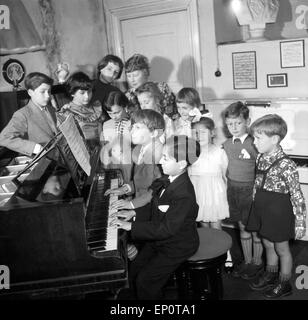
<point x="292" y="54"/>
<point x="244" y="70"/>
<point x="277" y="80"/>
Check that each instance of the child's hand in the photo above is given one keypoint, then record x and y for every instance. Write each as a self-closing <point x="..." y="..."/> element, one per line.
<point x="123" y="225"/>
<point x="121" y="204"/>
<point x="126" y="214"/>
<point x="117" y="191"/>
<point x="300" y="228"/>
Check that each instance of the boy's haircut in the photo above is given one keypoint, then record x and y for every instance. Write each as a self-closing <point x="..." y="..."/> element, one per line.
<point x="236" y="109"/>
<point x="137" y="62"/>
<point x="110" y="58"/>
<point x="116" y="98"/>
<point x="206" y="122"/>
<point x="78" y="81"/>
<point x="189" y="96"/>
<point x="152" y="119"/>
<point x="152" y="88"/>
<point x="181" y="147"/>
<point x="35" y="79"/>
<point x="270" y="124"/>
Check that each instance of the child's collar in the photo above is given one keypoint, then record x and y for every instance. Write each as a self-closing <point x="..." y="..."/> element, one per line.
<point x="242" y="138"/>
<point x="172" y="178"/>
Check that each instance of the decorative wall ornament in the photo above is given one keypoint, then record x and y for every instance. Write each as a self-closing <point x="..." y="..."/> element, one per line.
<point x="63" y="71"/>
<point x="13" y="72"/>
<point x="50" y="35"/>
<point x="255" y="14"/>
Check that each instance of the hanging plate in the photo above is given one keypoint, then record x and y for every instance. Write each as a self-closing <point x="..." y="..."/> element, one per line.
<point x="13" y="71"/>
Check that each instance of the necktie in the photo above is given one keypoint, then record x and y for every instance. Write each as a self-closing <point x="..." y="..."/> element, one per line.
<point x="237" y="140"/>
<point x="49" y="120"/>
<point x="140" y="157"/>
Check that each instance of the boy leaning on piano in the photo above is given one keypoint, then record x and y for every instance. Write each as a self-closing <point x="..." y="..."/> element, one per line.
<point x="34" y="125"/>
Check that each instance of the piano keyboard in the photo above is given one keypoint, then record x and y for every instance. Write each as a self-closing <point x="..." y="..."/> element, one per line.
<point x="101" y="235"/>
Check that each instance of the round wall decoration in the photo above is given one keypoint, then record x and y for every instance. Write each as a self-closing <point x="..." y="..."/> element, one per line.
<point x="13" y="71"/>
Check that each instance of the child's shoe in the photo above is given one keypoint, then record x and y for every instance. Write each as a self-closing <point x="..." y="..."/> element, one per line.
<point x="281" y="289"/>
<point x="265" y="280"/>
<point x="252" y="271"/>
<point x="238" y="269"/>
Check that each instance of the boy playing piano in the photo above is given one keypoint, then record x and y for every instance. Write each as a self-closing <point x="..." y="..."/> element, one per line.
<point x="167" y="225"/>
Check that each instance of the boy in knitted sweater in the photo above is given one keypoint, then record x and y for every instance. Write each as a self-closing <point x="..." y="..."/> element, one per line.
<point x="242" y="155"/>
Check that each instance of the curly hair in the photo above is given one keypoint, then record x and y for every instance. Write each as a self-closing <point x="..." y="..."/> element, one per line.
<point x="137" y="62"/>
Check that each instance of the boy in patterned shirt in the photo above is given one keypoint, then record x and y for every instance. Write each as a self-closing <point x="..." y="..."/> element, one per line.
<point x="278" y="213"/>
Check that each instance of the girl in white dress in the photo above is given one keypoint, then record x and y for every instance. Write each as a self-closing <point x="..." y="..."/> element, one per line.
<point x="208" y="176"/>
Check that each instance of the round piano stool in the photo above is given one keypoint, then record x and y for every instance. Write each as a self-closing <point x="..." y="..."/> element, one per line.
<point x="199" y="277"/>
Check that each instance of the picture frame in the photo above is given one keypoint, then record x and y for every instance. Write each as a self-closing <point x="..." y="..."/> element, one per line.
<point x="277" y="80"/>
<point x="292" y="54"/>
<point x="244" y="69"/>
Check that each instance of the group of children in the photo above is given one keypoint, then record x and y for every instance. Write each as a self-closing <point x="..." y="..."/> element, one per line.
<point x="248" y="180"/>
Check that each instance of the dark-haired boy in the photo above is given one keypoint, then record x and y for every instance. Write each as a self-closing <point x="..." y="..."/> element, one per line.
<point x="32" y="126"/>
<point x="167" y="225"/>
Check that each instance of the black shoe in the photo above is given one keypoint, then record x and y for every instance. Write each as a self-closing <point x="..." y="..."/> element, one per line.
<point x="238" y="269"/>
<point x="281" y="289"/>
<point x="265" y="280"/>
<point x="252" y="271"/>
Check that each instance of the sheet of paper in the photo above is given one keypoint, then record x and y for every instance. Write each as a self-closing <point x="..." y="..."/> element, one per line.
<point x="76" y="143"/>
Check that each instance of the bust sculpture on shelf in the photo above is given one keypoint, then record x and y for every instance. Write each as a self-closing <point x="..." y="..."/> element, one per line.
<point x="255" y="14"/>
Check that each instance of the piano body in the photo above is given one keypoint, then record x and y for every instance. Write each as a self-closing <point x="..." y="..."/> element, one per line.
<point x="59" y="244"/>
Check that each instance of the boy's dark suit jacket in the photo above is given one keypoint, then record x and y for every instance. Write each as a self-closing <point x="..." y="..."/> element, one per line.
<point x="27" y="127"/>
<point x="174" y="232"/>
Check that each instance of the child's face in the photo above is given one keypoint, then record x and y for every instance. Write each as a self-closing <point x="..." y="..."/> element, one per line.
<point x="82" y="97"/>
<point x="169" y="164"/>
<point x="116" y="112"/>
<point x="136" y="78"/>
<point x="237" y="126"/>
<point x="147" y="101"/>
<point x="203" y="135"/>
<point x="184" y="109"/>
<point x="141" y="134"/>
<point x="264" y="143"/>
<point x="110" y="72"/>
<point x="41" y="95"/>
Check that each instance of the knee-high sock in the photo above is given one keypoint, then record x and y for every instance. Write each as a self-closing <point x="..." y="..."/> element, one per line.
<point x="257" y="252"/>
<point x="247" y="248"/>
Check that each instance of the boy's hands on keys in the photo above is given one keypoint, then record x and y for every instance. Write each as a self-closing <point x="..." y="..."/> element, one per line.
<point x="121" y="204"/>
<point x="126" y="215"/>
<point x="117" y="191"/>
<point x="123" y="225"/>
<point x="122" y="219"/>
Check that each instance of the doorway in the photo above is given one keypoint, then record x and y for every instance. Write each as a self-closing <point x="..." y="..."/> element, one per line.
<point x="165" y="32"/>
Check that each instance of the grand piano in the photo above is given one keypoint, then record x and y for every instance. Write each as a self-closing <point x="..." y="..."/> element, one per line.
<point x="61" y="243"/>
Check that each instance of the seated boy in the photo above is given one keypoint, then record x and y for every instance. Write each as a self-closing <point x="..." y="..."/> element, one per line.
<point x="32" y="126"/>
<point x="167" y="225"/>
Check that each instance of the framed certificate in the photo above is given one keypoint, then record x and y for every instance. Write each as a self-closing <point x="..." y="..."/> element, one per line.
<point x="292" y="54"/>
<point x="244" y="70"/>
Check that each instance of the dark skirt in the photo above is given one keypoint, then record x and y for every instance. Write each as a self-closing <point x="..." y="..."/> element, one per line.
<point x="272" y="216"/>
